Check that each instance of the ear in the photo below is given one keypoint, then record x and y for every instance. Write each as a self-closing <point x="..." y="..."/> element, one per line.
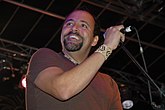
<point x="95" y="40"/>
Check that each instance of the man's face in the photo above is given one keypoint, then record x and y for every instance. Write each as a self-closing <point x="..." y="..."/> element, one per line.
<point x="77" y="31"/>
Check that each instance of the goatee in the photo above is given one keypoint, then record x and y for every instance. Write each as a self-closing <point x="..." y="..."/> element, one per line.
<point x="73" y="42"/>
<point x="72" y="46"/>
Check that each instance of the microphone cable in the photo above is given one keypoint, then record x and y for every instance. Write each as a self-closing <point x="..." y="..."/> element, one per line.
<point x="145" y="70"/>
<point x="144" y="63"/>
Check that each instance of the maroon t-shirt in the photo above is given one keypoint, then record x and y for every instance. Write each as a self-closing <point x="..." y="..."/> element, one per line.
<point x="101" y="94"/>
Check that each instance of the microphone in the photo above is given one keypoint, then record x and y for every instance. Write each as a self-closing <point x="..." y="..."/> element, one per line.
<point x="127" y="29"/>
<point x="124" y="30"/>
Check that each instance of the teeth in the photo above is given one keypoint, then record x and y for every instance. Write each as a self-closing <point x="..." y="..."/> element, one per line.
<point x="75" y="37"/>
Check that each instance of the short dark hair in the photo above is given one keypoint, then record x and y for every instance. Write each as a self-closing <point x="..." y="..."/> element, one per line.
<point x="97" y="24"/>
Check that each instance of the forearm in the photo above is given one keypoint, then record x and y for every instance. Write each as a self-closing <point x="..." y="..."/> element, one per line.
<point x="75" y="80"/>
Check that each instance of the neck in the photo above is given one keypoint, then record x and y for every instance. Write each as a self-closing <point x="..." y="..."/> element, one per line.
<point x="75" y="57"/>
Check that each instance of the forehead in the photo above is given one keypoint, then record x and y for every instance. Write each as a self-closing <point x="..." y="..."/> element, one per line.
<point x="80" y="15"/>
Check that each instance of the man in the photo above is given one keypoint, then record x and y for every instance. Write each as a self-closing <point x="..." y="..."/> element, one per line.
<point x="70" y="80"/>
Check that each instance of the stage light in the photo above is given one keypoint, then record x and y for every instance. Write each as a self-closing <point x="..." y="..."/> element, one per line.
<point x="127" y="104"/>
<point x="6" y="70"/>
<point x="23" y="82"/>
<point x="23" y="70"/>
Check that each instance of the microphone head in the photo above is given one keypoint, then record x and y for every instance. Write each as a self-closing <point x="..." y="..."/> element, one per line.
<point x="127" y="29"/>
<point x="124" y="30"/>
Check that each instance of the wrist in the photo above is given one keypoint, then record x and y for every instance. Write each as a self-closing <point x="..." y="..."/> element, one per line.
<point x="104" y="50"/>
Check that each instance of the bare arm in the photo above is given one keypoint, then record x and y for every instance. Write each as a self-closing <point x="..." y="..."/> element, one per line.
<point x="64" y="85"/>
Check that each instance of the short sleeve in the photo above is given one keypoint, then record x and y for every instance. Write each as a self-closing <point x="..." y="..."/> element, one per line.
<point x="40" y="60"/>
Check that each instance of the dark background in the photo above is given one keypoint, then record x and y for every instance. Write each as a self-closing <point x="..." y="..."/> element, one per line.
<point x="26" y="25"/>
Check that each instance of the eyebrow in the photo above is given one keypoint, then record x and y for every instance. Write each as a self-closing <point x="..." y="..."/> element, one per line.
<point x="68" y="20"/>
<point x="80" y="20"/>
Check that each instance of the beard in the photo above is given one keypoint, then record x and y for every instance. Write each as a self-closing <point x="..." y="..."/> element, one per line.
<point x="73" y="45"/>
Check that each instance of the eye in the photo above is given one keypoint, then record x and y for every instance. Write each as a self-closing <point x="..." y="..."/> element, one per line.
<point x="69" y="23"/>
<point x="85" y="26"/>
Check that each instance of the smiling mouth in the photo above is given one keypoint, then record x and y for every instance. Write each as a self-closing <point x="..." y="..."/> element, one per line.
<point x="73" y="37"/>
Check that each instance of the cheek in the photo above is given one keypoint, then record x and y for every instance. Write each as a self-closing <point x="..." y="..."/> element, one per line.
<point x="65" y="30"/>
<point x="88" y="41"/>
<point x="63" y="33"/>
<point x="87" y="36"/>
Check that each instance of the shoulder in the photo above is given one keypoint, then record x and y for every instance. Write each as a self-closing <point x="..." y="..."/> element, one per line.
<point x="44" y="56"/>
<point x="105" y="76"/>
<point x="42" y="59"/>
<point x="44" y="51"/>
<point x="108" y="79"/>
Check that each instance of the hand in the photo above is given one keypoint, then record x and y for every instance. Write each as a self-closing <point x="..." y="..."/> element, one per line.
<point x="113" y="36"/>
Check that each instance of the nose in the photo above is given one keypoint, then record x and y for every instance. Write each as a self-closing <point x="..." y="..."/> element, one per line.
<point x="75" y="27"/>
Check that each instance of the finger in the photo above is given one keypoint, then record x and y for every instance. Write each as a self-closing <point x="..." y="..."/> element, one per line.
<point x="119" y="27"/>
<point x="122" y="37"/>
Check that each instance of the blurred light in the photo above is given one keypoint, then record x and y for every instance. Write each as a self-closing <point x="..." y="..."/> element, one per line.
<point x="126" y="96"/>
<point x="22" y="72"/>
<point x="5" y="65"/>
<point x="23" y="82"/>
<point x="127" y="104"/>
<point x="6" y="70"/>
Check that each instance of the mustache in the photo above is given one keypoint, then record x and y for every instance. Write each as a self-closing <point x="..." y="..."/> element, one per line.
<point x="71" y="33"/>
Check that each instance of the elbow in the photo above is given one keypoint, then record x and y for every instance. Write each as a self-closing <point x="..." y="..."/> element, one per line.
<point x="62" y="93"/>
<point x="64" y="97"/>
